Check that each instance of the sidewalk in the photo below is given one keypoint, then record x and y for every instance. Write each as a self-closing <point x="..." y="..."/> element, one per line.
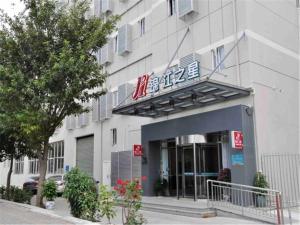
<point x="62" y="210"/>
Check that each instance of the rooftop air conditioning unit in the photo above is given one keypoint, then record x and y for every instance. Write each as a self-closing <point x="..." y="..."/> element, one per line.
<point x="186" y="7"/>
<point x="106" y="53"/>
<point x="124" y="39"/>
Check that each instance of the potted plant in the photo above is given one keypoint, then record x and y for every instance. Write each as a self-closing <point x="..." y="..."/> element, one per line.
<point x="160" y="187"/>
<point x="224" y="176"/>
<point x="260" y="181"/>
<point x="49" y="192"/>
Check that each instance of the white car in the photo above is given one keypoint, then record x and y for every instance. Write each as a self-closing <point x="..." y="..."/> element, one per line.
<point x="59" y="181"/>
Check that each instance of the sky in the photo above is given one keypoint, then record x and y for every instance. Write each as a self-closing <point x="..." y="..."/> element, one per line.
<point x="7" y="6"/>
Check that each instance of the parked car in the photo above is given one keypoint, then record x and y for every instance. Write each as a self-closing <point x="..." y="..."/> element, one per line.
<point x="31" y="184"/>
<point x="59" y="181"/>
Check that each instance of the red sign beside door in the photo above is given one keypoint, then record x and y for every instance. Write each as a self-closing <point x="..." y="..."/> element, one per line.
<point x="237" y="140"/>
<point x="137" y="150"/>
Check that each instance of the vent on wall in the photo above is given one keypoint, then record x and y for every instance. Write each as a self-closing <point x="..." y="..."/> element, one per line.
<point x="124" y="39"/>
<point x="186" y="7"/>
<point x="106" y="53"/>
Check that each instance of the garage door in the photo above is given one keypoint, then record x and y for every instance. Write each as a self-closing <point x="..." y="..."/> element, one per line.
<point x="85" y="154"/>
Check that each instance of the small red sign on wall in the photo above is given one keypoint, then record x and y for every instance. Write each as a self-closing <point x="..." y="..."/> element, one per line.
<point x="137" y="150"/>
<point x="237" y="140"/>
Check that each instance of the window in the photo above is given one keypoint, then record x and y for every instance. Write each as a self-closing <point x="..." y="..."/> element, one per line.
<point x="142" y="26"/>
<point x="33" y="166"/>
<point x="116" y="44"/>
<point x="172" y="7"/>
<point x="218" y="55"/>
<point x="114" y="99"/>
<point x="114" y="136"/>
<point x="56" y="158"/>
<point x="19" y="165"/>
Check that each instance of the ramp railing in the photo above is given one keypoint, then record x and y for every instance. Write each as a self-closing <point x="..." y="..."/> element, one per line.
<point x="249" y="201"/>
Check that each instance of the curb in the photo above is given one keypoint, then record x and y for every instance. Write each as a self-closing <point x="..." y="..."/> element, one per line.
<point x="50" y="213"/>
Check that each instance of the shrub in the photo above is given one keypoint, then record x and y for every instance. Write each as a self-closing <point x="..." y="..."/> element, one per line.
<point x="106" y="202"/>
<point x="2" y="192"/>
<point x="130" y="194"/>
<point x="81" y="192"/>
<point x="49" y="190"/>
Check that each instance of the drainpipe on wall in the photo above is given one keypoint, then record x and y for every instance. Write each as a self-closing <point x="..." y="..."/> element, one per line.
<point x="237" y="52"/>
<point x="298" y="8"/>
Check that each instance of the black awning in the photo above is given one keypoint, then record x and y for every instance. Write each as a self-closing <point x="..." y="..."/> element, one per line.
<point x="196" y="95"/>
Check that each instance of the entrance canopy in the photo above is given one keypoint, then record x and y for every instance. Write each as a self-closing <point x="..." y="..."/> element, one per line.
<point x="196" y="95"/>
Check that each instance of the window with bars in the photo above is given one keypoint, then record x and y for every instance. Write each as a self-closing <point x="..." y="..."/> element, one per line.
<point x="56" y="158"/>
<point x="19" y="165"/>
<point x="33" y="166"/>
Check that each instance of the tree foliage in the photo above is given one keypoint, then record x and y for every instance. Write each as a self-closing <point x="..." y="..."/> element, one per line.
<point x="48" y="66"/>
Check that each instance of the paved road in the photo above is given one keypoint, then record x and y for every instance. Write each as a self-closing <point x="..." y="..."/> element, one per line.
<point x="15" y="214"/>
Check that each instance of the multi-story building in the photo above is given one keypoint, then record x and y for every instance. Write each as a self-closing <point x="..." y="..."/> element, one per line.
<point x="183" y="75"/>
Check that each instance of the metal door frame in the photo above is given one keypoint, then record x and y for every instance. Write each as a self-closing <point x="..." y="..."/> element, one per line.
<point x="217" y="144"/>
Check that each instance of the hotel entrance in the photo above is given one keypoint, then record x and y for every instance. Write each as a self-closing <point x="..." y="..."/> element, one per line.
<point x="187" y="162"/>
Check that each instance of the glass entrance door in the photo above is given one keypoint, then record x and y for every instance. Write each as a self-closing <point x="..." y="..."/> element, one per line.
<point x="208" y="166"/>
<point x="196" y="165"/>
<point x="188" y="171"/>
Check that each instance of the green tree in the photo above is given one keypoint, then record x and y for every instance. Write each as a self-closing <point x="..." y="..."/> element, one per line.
<point x="47" y="60"/>
<point x="12" y="146"/>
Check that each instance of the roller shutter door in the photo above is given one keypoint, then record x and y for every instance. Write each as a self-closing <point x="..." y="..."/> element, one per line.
<point x="85" y="154"/>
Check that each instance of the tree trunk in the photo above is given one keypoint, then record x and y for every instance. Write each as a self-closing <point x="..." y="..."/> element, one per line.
<point x="9" y="176"/>
<point x="43" y="158"/>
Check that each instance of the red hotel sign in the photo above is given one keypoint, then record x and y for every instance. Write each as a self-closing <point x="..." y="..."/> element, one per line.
<point x="141" y="87"/>
<point x="137" y="150"/>
<point x="237" y="140"/>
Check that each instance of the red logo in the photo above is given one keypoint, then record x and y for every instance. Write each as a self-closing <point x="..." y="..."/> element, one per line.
<point x="141" y="87"/>
<point x="137" y="150"/>
<point x="237" y="139"/>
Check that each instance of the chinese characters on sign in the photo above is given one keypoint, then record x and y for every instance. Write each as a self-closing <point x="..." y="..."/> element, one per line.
<point x="137" y="150"/>
<point x="155" y="83"/>
<point x="237" y="140"/>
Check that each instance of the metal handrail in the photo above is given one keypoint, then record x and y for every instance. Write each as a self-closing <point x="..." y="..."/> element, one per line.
<point x="259" y="203"/>
<point x="242" y="185"/>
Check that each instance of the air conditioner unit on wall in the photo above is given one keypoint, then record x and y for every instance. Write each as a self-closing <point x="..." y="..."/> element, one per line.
<point x="188" y="59"/>
<point x="106" y="53"/>
<point x="186" y="7"/>
<point x="124" y="39"/>
<point x="124" y="94"/>
<point x="105" y="107"/>
<point x="106" y="6"/>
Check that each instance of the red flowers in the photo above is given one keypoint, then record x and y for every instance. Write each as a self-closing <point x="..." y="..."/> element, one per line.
<point x="130" y="193"/>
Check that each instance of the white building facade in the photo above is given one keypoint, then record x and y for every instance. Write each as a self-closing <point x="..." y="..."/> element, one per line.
<point x="247" y="50"/>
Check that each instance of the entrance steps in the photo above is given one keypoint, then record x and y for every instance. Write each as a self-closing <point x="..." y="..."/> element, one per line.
<point x="183" y="207"/>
